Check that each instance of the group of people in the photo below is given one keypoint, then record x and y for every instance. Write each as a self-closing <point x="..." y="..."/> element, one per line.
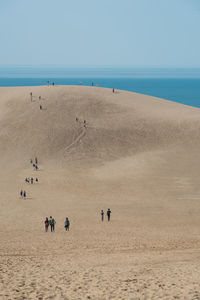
<point x="108" y="214"/>
<point x="51" y="222"/>
<point x="48" y="82"/>
<point x="84" y="122"/>
<point x="39" y="98"/>
<point x="31" y="180"/>
<point x="35" y="164"/>
<point x="23" y="194"/>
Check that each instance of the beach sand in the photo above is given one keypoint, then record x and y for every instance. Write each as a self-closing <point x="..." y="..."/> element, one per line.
<point x="138" y="156"/>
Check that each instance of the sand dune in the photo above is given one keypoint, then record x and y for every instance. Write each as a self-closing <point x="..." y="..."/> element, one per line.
<point x="138" y="155"/>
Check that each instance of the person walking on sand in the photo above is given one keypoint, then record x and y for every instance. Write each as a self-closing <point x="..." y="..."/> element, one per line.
<point x="24" y="195"/>
<point x="113" y="90"/>
<point x="84" y="122"/>
<point x="31" y="95"/>
<point x="52" y="223"/>
<point x="31" y="180"/>
<point x="21" y="193"/>
<point x="36" y="160"/>
<point x="40" y="107"/>
<point x="36" y="179"/>
<point x="67" y="223"/>
<point x="102" y="215"/>
<point x="108" y="214"/>
<point x="46" y="224"/>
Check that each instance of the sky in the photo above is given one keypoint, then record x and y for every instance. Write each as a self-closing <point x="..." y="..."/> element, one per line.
<point x="158" y="33"/>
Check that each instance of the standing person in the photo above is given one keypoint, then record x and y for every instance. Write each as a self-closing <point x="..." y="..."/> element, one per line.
<point x="24" y="194"/>
<point x="53" y="83"/>
<point x="39" y="97"/>
<point x="36" y="179"/>
<point x="113" y="90"/>
<point x="108" y="214"/>
<point x="48" y="83"/>
<point x="21" y="193"/>
<point x="102" y="215"/>
<point x="40" y="107"/>
<point x="36" y="160"/>
<point x="84" y="122"/>
<point x="52" y="223"/>
<point x="31" y="94"/>
<point x="67" y="223"/>
<point x="31" y="161"/>
<point x="46" y="224"/>
<point x="31" y="180"/>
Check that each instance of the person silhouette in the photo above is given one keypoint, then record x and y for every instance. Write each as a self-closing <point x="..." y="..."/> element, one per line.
<point x="108" y="214"/>
<point x="102" y="215"/>
<point x="46" y="224"/>
<point x="52" y="223"/>
<point x="67" y="223"/>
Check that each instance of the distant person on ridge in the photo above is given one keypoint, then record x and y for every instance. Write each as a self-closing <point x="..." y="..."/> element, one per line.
<point x="102" y="215"/>
<point x="67" y="223"/>
<point x="46" y="224"/>
<point x="52" y="223"/>
<point x="108" y="214"/>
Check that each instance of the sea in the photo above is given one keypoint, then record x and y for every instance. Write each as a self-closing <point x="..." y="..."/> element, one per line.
<point x="176" y="84"/>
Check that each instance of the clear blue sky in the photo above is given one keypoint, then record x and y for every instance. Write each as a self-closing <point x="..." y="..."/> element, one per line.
<point x="100" y="32"/>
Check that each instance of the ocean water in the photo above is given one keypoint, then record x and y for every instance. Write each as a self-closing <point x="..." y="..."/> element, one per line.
<point x="179" y="85"/>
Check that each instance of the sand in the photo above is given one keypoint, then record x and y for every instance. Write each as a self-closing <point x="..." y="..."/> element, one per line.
<point x="138" y="156"/>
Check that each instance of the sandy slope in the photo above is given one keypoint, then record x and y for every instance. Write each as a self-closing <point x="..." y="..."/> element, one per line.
<point x="139" y="156"/>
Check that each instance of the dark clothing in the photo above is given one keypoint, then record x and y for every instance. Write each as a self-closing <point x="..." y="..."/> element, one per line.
<point x="67" y="223"/>
<point x="52" y="227"/>
<point x="108" y="214"/>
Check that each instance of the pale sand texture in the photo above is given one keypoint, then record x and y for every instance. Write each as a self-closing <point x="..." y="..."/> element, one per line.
<point x="139" y="156"/>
